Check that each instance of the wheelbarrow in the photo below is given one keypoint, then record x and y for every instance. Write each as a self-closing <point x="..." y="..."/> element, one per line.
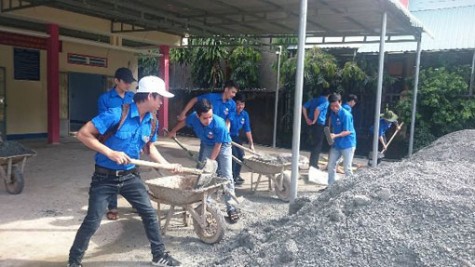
<point x="13" y="163"/>
<point x="272" y="167"/>
<point x="180" y="191"/>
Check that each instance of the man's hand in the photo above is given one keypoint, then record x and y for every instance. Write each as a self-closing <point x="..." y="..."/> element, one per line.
<point x="177" y="168"/>
<point x="308" y="121"/>
<point x="181" y="117"/>
<point x="251" y="146"/>
<point x="118" y="157"/>
<point x="333" y="136"/>
<point x="171" y="134"/>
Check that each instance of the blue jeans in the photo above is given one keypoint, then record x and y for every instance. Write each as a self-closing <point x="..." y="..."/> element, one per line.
<point x="238" y="153"/>
<point x="103" y="187"/>
<point x="112" y="203"/>
<point x="224" y="160"/>
<point x="335" y="154"/>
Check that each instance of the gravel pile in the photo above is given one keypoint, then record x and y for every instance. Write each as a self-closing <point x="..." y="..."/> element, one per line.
<point x="412" y="213"/>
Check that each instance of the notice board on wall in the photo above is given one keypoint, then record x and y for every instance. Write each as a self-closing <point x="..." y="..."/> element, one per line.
<point x="26" y="64"/>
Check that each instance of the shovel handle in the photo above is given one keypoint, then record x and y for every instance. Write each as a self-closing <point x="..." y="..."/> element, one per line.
<point x="164" y="166"/>
<point x="392" y="137"/>
<point x="245" y="148"/>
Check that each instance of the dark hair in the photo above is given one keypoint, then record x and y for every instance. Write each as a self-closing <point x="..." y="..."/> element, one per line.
<point x="240" y="97"/>
<point x="326" y="91"/>
<point x="335" y="97"/>
<point x="202" y="106"/>
<point x="141" y="97"/>
<point x="352" y="97"/>
<point x="230" y="84"/>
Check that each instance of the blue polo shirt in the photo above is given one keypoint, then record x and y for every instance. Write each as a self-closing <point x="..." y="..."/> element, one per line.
<point x="343" y="121"/>
<point x="347" y="107"/>
<point x="111" y="99"/>
<point x="240" y="121"/>
<point x="220" y="108"/>
<point x="384" y="126"/>
<point x="215" y="132"/>
<point x="130" y="138"/>
<point x="322" y="104"/>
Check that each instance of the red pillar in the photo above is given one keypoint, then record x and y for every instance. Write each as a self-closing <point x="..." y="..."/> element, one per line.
<point x="165" y="75"/>
<point x="53" y="83"/>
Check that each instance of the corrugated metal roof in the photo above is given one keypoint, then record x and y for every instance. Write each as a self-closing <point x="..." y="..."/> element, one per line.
<point x="417" y="5"/>
<point x="452" y="29"/>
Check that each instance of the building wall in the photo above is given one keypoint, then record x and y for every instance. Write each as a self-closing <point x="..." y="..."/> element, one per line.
<point x="26" y="101"/>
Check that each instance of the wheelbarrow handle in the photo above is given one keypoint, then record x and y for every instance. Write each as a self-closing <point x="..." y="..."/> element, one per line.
<point x="245" y="148"/>
<point x="164" y="166"/>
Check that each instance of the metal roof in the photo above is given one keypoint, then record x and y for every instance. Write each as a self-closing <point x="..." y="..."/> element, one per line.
<point x="244" y="17"/>
<point x="452" y="29"/>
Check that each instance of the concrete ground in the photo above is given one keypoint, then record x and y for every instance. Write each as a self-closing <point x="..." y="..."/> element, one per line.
<point x="37" y="227"/>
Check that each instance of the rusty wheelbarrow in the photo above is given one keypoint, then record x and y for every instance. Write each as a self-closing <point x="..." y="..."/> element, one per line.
<point x="180" y="191"/>
<point x="13" y="158"/>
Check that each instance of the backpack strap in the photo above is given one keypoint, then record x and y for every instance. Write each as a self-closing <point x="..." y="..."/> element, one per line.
<point x="112" y="130"/>
<point x="154" y="126"/>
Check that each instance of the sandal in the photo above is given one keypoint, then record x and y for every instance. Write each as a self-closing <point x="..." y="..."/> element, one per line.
<point x="112" y="215"/>
<point x="233" y="216"/>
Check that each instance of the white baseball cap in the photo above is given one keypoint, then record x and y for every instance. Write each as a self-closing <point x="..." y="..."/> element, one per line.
<point x="153" y="84"/>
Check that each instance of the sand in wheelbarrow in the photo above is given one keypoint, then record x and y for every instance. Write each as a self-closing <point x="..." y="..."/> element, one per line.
<point x="12" y="148"/>
<point x="417" y="212"/>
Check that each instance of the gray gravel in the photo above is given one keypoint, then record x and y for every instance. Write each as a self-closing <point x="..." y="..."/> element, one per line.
<point x="418" y="212"/>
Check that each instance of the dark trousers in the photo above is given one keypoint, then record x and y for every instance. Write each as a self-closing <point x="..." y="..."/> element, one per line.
<point x="238" y="153"/>
<point x="103" y="187"/>
<point x="316" y="137"/>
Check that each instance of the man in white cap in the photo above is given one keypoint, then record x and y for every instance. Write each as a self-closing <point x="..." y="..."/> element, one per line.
<point x="113" y="174"/>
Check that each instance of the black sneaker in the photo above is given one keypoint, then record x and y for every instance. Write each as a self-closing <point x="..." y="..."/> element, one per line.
<point x="239" y="179"/>
<point x="74" y="265"/>
<point x="237" y="182"/>
<point x="165" y="260"/>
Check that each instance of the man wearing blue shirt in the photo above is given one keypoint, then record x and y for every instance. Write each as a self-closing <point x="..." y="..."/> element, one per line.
<point x="344" y="137"/>
<point x="215" y="144"/>
<point x="240" y="120"/>
<point x="223" y="103"/>
<point x="350" y="102"/>
<point x="388" y="119"/>
<point x="315" y="112"/>
<point x="113" y="172"/>
<point x="116" y="97"/>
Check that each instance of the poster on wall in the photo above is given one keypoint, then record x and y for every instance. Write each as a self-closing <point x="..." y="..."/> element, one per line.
<point x="26" y="64"/>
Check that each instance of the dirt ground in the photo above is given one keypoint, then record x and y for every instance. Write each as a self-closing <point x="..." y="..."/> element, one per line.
<point x="37" y="227"/>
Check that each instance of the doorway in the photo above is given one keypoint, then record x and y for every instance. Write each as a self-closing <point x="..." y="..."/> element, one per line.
<point x="84" y="90"/>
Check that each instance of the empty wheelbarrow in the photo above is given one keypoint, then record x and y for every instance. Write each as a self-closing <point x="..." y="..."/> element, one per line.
<point x="180" y="191"/>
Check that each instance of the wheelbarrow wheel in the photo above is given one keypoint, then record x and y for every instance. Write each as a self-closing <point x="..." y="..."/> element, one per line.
<point x="283" y="193"/>
<point x="15" y="184"/>
<point x="214" y="221"/>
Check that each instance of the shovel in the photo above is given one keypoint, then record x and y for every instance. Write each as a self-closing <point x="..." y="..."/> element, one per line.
<point x="264" y="157"/>
<point x="206" y="174"/>
<point x="381" y="153"/>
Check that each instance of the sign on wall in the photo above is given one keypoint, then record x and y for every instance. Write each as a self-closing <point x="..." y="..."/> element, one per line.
<point x="26" y="64"/>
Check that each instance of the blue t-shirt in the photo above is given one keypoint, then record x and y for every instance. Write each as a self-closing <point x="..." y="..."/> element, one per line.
<point x="384" y="126"/>
<point x="343" y="121"/>
<point x="111" y="99"/>
<point x="347" y="107"/>
<point x="240" y="121"/>
<point x="220" y="108"/>
<point x="215" y="132"/>
<point x="322" y="104"/>
<point x="130" y="138"/>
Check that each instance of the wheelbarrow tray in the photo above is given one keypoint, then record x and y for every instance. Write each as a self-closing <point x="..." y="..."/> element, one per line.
<point x="15" y="158"/>
<point x="179" y="190"/>
<point x="265" y="167"/>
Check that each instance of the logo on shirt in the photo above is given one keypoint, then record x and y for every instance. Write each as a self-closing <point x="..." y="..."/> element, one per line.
<point x="210" y="135"/>
<point x="226" y="111"/>
<point x="243" y="120"/>
<point x="145" y="138"/>
<point x="338" y="122"/>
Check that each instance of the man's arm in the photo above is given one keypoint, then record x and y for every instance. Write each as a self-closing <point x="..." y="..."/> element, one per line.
<point x="175" y="129"/>
<point x="305" y="115"/>
<point x="87" y="135"/>
<point x="381" y="139"/>
<point x="216" y="150"/>
<point x="187" y="108"/>
<point x="250" y="140"/>
<point x="316" y="113"/>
